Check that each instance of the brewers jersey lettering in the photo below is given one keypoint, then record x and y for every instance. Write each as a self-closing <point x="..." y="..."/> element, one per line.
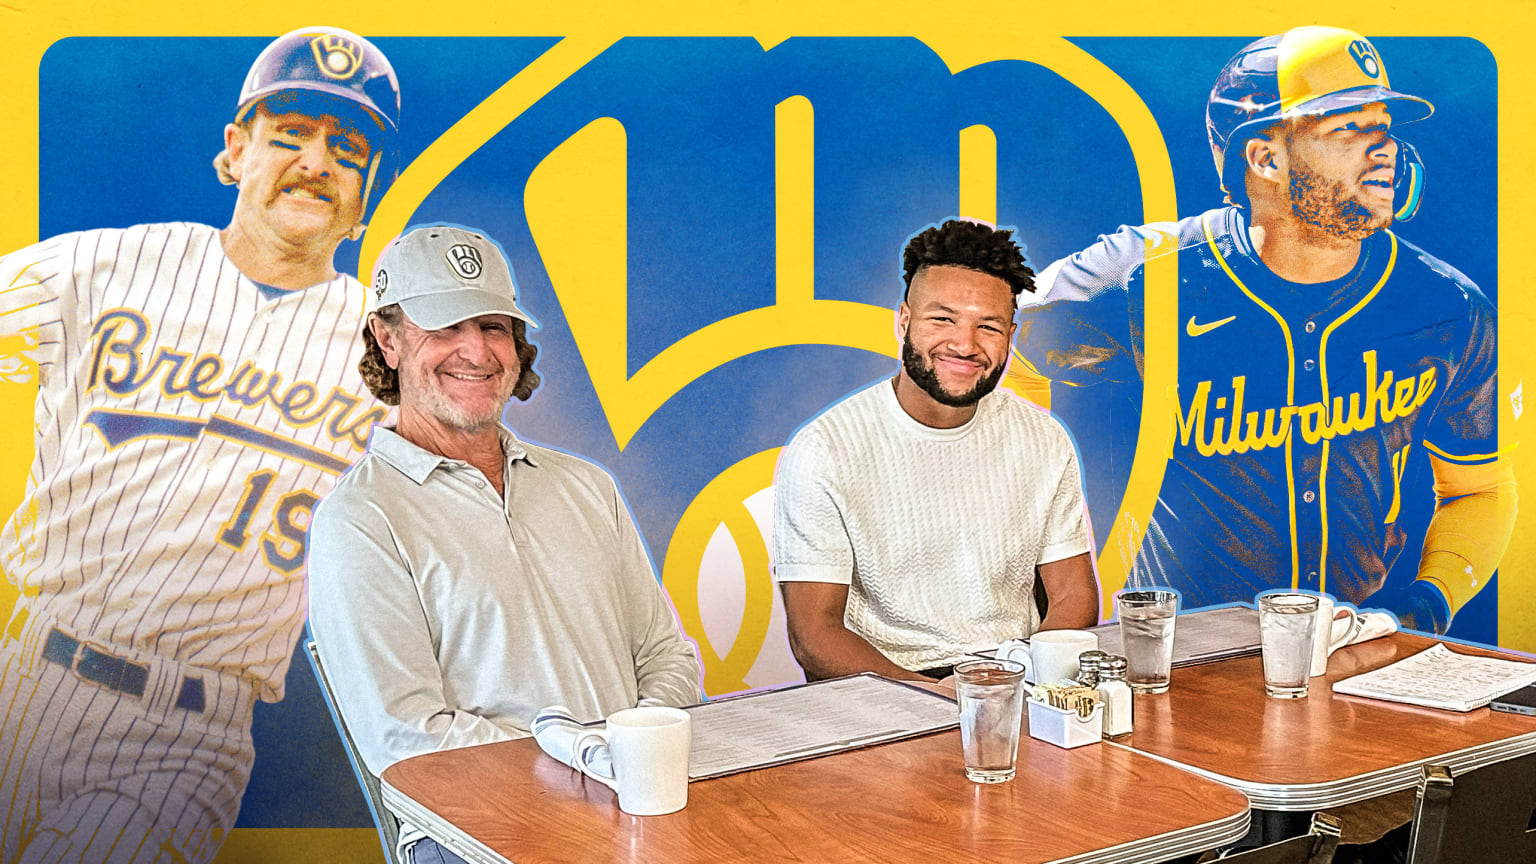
<point x="188" y="420"/>
<point x="1299" y="406"/>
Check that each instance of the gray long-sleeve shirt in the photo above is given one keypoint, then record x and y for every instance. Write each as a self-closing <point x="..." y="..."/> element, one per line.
<point x="447" y="616"/>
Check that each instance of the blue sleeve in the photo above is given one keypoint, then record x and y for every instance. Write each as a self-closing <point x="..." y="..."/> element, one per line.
<point x="1465" y="426"/>
<point x="1086" y="328"/>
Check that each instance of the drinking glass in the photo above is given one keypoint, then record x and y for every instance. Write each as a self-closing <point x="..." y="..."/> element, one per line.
<point x="991" y="696"/>
<point x="1146" y="635"/>
<point x="1286" y="624"/>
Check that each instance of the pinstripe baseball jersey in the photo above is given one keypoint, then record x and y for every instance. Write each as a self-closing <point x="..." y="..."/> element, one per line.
<point x="188" y="420"/>
<point x="1299" y="406"/>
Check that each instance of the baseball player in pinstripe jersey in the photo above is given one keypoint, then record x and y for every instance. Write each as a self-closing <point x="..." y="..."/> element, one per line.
<point x="1318" y="351"/>
<point x="197" y="395"/>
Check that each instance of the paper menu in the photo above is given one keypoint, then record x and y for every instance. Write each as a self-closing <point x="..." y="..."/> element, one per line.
<point x="1438" y="677"/>
<point x="773" y="727"/>
<point x="1201" y="636"/>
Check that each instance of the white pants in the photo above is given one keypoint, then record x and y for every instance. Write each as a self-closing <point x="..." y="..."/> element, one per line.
<point x="92" y="775"/>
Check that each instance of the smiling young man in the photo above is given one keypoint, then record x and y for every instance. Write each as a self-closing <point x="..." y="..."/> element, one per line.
<point x="912" y="519"/>
<point x="462" y="579"/>
<point x="194" y="398"/>
<point x="1319" y="352"/>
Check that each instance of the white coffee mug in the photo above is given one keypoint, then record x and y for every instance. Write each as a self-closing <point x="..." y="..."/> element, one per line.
<point x="1336" y="625"/>
<point x="1050" y="655"/>
<point x="648" y="748"/>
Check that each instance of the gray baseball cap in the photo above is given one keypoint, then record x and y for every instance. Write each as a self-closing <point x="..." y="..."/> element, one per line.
<point x="441" y="275"/>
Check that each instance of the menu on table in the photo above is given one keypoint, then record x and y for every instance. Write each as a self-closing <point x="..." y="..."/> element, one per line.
<point x="1203" y="636"/>
<point x="773" y="727"/>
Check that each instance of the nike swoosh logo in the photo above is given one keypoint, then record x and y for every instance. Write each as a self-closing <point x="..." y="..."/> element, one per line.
<point x="1194" y="329"/>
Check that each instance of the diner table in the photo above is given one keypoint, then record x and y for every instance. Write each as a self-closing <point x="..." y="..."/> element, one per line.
<point x="1326" y="750"/>
<point x="1175" y="786"/>
<point x="906" y="801"/>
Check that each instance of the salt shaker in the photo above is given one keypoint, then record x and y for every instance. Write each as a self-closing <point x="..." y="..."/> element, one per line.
<point x="1116" y="696"/>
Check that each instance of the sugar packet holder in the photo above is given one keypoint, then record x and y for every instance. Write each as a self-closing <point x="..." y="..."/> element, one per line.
<point x="1065" y="727"/>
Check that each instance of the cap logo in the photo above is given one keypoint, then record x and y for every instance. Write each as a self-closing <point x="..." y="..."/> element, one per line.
<point x="1365" y="58"/>
<point x="465" y="260"/>
<point x="380" y="284"/>
<point x="337" y="56"/>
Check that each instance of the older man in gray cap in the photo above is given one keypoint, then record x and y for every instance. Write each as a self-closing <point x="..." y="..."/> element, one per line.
<point x="462" y="579"/>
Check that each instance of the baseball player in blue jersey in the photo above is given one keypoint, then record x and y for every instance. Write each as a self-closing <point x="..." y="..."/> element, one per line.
<point x="1319" y="352"/>
<point x="196" y="397"/>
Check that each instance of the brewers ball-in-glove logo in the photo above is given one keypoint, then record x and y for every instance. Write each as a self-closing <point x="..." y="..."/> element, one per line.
<point x="464" y="259"/>
<point x="380" y="284"/>
<point x="337" y="56"/>
<point x="1365" y="57"/>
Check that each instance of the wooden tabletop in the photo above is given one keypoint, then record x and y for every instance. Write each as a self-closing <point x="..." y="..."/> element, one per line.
<point x="1324" y="750"/>
<point x="906" y="801"/>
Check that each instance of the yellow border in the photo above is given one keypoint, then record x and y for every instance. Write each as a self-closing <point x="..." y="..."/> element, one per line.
<point x="28" y="27"/>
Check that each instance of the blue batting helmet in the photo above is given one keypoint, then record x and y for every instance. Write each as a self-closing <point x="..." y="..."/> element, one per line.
<point x="338" y="66"/>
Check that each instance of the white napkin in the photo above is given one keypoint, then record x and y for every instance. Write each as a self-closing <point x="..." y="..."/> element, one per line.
<point x="1362" y="627"/>
<point x="556" y="731"/>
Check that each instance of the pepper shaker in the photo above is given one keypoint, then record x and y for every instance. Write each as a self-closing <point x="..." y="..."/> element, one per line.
<point x="1088" y="667"/>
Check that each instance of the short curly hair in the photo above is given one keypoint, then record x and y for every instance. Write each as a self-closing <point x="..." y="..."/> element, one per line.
<point x="972" y="245"/>
<point x="384" y="382"/>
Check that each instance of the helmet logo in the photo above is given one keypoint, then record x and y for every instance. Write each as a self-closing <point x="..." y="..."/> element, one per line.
<point x="464" y="259"/>
<point x="337" y="56"/>
<point x="1365" y="58"/>
<point x="380" y="284"/>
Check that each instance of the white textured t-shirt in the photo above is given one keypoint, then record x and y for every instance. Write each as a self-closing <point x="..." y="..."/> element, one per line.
<point x="935" y="531"/>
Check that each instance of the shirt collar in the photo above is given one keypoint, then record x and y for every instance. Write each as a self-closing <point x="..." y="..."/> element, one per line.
<point x="418" y="464"/>
<point x="953" y="433"/>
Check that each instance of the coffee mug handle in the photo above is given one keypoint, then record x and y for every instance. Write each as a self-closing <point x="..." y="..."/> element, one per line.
<point x="1018" y="651"/>
<point x="588" y="744"/>
<point x="1345" y="627"/>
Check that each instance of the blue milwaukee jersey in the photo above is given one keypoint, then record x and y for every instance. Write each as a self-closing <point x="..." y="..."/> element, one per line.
<point x="1299" y="405"/>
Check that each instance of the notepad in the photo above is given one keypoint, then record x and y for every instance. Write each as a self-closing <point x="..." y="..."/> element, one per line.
<point x="1438" y="677"/>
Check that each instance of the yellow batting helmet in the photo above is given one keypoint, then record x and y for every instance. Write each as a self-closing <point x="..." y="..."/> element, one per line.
<point x="1305" y="71"/>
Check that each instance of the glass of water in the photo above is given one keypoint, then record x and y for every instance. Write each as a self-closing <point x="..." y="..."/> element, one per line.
<point x="1286" y="624"/>
<point x="1146" y="635"/>
<point x="991" y="696"/>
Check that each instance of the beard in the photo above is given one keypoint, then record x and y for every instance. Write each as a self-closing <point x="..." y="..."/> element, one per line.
<point x="430" y="400"/>
<point x="1328" y="207"/>
<point x="923" y="375"/>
